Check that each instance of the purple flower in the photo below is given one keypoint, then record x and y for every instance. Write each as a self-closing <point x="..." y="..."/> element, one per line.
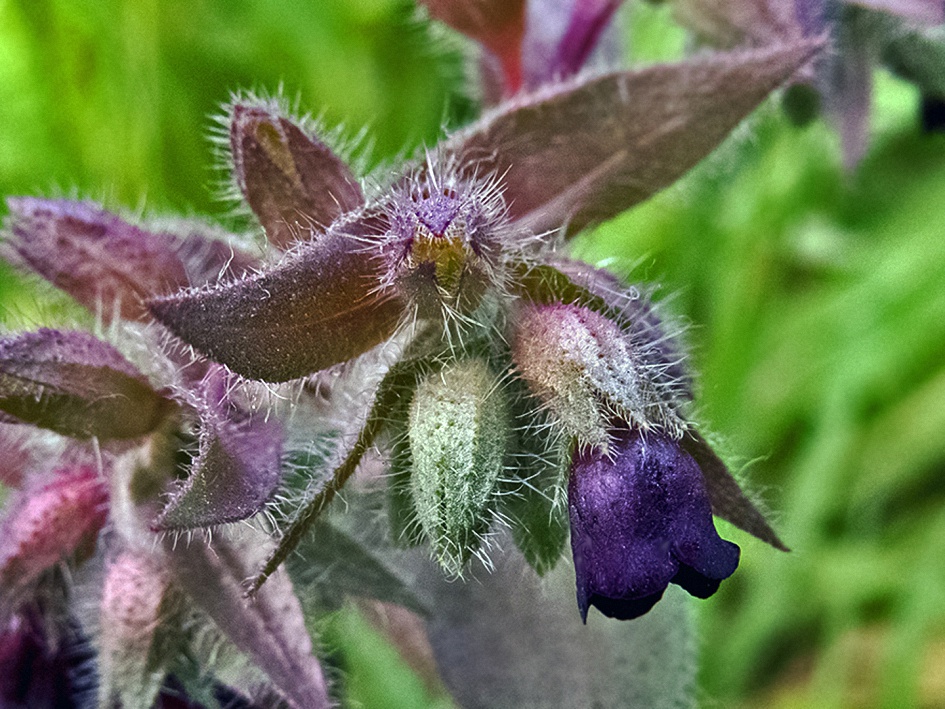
<point x="640" y="520"/>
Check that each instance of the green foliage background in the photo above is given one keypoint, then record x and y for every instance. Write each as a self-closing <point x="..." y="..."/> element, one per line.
<point x="817" y="301"/>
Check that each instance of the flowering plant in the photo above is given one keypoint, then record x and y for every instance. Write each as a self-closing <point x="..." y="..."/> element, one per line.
<point x="427" y="312"/>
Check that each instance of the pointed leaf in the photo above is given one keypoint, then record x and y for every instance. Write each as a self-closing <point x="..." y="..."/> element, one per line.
<point x="237" y="469"/>
<point x="95" y="256"/>
<point x="50" y="521"/>
<point x="270" y="629"/>
<point x="725" y="494"/>
<point x="292" y="181"/>
<point x="76" y="385"/>
<point x="318" y="308"/>
<point x="585" y="151"/>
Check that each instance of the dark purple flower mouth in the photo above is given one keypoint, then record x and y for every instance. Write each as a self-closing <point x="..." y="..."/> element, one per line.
<point x="640" y="520"/>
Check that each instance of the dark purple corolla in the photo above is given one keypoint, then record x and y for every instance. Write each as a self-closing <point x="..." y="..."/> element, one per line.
<point x="640" y="520"/>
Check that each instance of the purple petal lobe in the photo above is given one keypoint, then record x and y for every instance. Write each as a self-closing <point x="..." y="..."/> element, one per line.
<point x="316" y="309"/>
<point x="585" y="151"/>
<point x="76" y="385"/>
<point x="640" y="519"/>
<point x="725" y="494"/>
<point x="96" y="257"/>
<point x="236" y="470"/>
<point x="292" y="181"/>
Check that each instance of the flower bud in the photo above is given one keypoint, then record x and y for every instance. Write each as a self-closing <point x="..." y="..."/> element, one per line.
<point x="640" y="520"/>
<point x="50" y="522"/>
<point x="458" y="434"/>
<point x="133" y="655"/>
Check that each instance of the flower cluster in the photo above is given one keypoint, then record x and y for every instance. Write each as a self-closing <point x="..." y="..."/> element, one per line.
<point x="507" y="384"/>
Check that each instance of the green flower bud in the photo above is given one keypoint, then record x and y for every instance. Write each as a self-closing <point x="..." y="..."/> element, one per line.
<point x="458" y="434"/>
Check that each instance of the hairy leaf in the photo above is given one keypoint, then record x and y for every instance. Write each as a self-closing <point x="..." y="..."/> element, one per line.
<point x="95" y="256"/>
<point x="292" y="181"/>
<point x="316" y="309"/>
<point x="583" y="151"/>
<point x="77" y="385"/>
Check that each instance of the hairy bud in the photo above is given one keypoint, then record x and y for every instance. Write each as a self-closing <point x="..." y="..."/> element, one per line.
<point x="458" y="431"/>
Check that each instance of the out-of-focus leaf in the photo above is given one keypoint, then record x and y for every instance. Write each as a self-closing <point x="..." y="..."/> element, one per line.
<point x="730" y="23"/>
<point x="582" y="152"/>
<point x="333" y="561"/>
<point x="95" y="256"/>
<point x="292" y="181"/>
<point x="77" y="385"/>
<point x="270" y="628"/>
<point x="496" y="636"/>
<point x="318" y="308"/>
<point x="930" y="12"/>
<point x="497" y="24"/>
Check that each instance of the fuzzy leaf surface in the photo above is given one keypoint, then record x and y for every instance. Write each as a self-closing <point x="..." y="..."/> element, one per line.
<point x="292" y="181"/>
<point x="75" y="384"/>
<point x="270" y="629"/>
<point x="314" y="310"/>
<point x="584" y="151"/>
<point x="95" y="256"/>
<point x="237" y="469"/>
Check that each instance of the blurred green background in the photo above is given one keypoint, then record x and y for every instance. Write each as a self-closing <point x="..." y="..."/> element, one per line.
<point x="817" y="300"/>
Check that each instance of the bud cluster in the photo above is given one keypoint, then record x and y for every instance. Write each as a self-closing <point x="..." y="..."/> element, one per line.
<point x="506" y="386"/>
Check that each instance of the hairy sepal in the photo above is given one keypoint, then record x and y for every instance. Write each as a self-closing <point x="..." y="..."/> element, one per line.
<point x="293" y="182"/>
<point x="75" y="384"/>
<point x="458" y="431"/>
<point x="238" y="464"/>
<point x="321" y="306"/>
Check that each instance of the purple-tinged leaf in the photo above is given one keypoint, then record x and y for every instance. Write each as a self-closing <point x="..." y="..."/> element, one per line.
<point x="95" y="256"/>
<point x="134" y="647"/>
<point x="49" y="522"/>
<point x="74" y="384"/>
<point x="584" y="151"/>
<point x="589" y="19"/>
<point x="292" y="181"/>
<point x="930" y="12"/>
<point x="725" y="494"/>
<point x="270" y="629"/>
<point x="498" y="25"/>
<point x="208" y="259"/>
<point x="237" y="468"/>
<point x="318" y="308"/>
<point x="732" y="23"/>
